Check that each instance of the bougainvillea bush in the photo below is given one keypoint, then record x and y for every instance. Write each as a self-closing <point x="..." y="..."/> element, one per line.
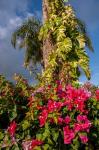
<point x="55" y="117"/>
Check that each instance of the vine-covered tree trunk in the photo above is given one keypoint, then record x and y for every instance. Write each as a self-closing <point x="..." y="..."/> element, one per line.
<point x="60" y="32"/>
<point x="47" y="43"/>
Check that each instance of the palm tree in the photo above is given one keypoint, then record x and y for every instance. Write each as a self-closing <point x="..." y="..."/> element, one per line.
<point x="26" y="37"/>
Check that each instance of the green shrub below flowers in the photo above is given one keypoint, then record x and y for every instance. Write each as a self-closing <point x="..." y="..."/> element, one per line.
<point x="53" y="117"/>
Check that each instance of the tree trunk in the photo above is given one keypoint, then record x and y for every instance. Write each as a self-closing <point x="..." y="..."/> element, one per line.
<point x="45" y="10"/>
<point x="47" y="43"/>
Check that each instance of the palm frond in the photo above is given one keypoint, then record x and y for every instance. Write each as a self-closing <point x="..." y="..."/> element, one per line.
<point x="83" y="62"/>
<point x="27" y="35"/>
<point x="82" y="28"/>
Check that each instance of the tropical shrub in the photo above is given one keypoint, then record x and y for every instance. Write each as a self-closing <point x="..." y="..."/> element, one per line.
<point x="56" y="116"/>
<point x="13" y="103"/>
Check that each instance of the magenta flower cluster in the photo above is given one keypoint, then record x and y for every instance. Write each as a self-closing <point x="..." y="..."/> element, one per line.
<point x="62" y="106"/>
<point x="74" y="100"/>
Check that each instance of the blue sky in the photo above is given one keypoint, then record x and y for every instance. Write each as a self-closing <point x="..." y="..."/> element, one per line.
<point x="13" y="12"/>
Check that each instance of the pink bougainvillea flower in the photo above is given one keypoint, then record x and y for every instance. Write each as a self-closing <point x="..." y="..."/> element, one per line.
<point x="83" y="124"/>
<point x="68" y="135"/>
<point x="97" y="94"/>
<point x="58" y="82"/>
<point x="52" y="120"/>
<point x="86" y="126"/>
<point x="60" y="120"/>
<point x="76" y="98"/>
<point x="80" y="94"/>
<point x="12" y="128"/>
<point x="84" y="138"/>
<point x="81" y="127"/>
<point x="67" y="119"/>
<point x="60" y="90"/>
<point x="69" y="104"/>
<point x="26" y="145"/>
<point x="71" y="92"/>
<point x="52" y="106"/>
<point x="81" y="118"/>
<point x="77" y="127"/>
<point x="35" y="143"/>
<point x="30" y="145"/>
<point x="43" y="117"/>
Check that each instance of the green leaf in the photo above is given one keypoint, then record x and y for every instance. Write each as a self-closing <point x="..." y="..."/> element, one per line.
<point x="83" y="62"/>
<point x="39" y="136"/>
<point x="65" y="45"/>
<point x="13" y="113"/>
<point x="15" y="147"/>
<point x="96" y="122"/>
<point x="46" y="147"/>
<point x="75" y="144"/>
<point x="97" y="106"/>
<point x="55" y="119"/>
<point x="81" y="41"/>
<point x="50" y="141"/>
<point x="1" y="135"/>
<point x="37" y="148"/>
<point x="55" y="135"/>
<point x="25" y="124"/>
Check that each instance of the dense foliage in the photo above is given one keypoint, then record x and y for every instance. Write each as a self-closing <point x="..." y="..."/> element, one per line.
<point x="13" y="103"/>
<point x="55" y="116"/>
<point x="69" y="38"/>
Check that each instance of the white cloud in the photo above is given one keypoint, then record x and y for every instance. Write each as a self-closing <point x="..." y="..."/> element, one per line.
<point x="15" y="22"/>
<point x="3" y="32"/>
<point x="29" y="14"/>
<point x="11" y="60"/>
